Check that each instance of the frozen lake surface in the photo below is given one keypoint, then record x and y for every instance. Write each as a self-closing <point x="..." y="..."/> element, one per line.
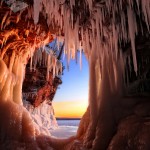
<point x="66" y="128"/>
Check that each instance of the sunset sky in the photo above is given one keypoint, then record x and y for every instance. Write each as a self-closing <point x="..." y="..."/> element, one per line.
<point x="71" y="99"/>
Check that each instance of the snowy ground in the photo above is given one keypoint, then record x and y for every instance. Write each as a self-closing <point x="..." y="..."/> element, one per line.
<point x="67" y="128"/>
<point x="64" y="131"/>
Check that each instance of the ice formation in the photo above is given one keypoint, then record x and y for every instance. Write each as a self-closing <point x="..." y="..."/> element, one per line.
<point x="18" y="129"/>
<point x="43" y="116"/>
<point x="45" y="57"/>
<point x="18" y="117"/>
<point x="109" y="25"/>
<point x="18" y="126"/>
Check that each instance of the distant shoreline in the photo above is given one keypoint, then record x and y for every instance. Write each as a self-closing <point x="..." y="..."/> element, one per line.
<point x="68" y="118"/>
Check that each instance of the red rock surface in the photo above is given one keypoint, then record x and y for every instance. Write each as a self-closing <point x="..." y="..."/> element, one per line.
<point x="37" y="88"/>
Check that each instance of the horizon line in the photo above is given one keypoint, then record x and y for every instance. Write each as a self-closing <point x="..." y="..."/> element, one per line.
<point x="68" y="118"/>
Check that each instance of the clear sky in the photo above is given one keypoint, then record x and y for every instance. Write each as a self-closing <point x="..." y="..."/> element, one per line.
<point x="71" y="98"/>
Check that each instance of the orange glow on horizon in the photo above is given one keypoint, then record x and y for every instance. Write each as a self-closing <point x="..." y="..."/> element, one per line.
<point x="70" y="109"/>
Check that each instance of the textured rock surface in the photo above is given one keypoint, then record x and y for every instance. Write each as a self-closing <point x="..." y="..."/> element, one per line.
<point x="133" y="131"/>
<point x="36" y="88"/>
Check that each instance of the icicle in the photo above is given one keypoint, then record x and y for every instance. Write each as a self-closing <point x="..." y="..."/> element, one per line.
<point x="12" y="61"/>
<point x="80" y="59"/>
<point x="58" y="68"/>
<point x="3" y="70"/>
<point x="37" y="4"/>
<point x="5" y="93"/>
<point x="12" y="85"/>
<point x="72" y="3"/>
<point x="48" y="67"/>
<point x="115" y="40"/>
<point x="19" y="71"/>
<point x="90" y="3"/>
<point x="138" y="5"/>
<point x="131" y="26"/>
<point x="54" y="65"/>
<point x="31" y="59"/>
<point x="3" y="20"/>
<point x="145" y="9"/>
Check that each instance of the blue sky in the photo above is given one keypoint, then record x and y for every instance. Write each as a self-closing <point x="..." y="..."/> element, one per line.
<point x="73" y="92"/>
<point x="75" y="83"/>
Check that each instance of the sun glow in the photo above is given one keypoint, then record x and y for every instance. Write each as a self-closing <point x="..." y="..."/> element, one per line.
<point x="70" y="109"/>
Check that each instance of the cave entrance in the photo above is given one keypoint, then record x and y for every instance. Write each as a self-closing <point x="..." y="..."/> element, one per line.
<point x="71" y="100"/>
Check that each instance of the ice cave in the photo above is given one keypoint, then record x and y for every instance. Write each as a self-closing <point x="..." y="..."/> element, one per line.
<point x="114" y="36"/>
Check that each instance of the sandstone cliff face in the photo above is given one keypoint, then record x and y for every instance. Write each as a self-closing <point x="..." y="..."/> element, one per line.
<point x="36" y="88"/>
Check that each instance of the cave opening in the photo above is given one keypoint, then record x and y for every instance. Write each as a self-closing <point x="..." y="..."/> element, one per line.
<point x="71" y="99"/>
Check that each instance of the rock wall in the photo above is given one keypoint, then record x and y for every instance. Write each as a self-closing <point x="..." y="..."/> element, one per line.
<point x="36" y="88"/>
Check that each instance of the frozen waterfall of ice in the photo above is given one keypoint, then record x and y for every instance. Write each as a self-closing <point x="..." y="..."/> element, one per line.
<point x="43" y="116"/>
